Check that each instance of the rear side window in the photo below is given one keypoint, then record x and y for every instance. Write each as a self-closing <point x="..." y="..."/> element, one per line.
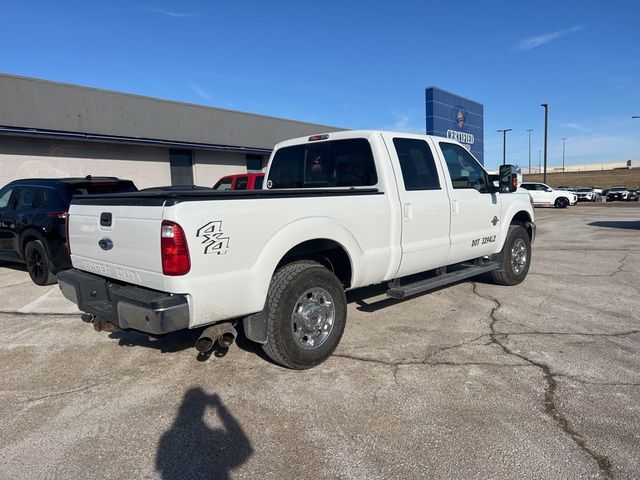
<point x="241" y="183"/>
<point x="337" y="163"/>
<point x="417" y="164"/>
<point x="465" y="171"/>
<point x="26" y="196"/>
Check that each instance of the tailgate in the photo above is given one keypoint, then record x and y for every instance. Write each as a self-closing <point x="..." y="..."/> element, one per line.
<point x="118" y="241"/>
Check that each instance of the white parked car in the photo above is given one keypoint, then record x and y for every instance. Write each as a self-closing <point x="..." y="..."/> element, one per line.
<point x="337" y="211"/>
<point x="587" y="194"/>
<point x="543" y="194"/>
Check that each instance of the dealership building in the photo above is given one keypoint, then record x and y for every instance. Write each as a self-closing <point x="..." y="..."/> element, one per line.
<point x="455" y="117"/>
<point x="50" y="129"/>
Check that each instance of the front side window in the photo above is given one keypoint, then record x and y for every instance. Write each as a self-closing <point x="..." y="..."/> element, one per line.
<point x="224" y="184"/>
<point x="417" y="164"/>
<point x="542" y="187"/>
<point x="337" y="163"/>
<point x="5" y="196"/>
<point x="465" y="171"/>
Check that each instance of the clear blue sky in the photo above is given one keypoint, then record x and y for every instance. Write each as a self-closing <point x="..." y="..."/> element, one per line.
<point x="357" y="64"/>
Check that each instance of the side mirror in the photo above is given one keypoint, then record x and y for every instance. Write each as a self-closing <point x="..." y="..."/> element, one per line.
<point x="508" y="181"/>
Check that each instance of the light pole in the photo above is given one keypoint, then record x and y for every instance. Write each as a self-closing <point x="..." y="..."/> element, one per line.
<point x="539" y="166"/>
<point x="546" y="119"/>
<point x="563" y="140"/>
<point x="504" y="144"/>
<point x="530" y="130"/>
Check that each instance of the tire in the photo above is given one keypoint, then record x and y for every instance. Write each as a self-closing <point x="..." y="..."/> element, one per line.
<point x="515" y="257"/>
<point x="562" y="202"/>
<point x="38" y="263"/>
<point x="306" y="315"/>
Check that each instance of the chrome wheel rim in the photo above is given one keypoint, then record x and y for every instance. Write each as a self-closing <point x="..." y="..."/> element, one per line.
<point x="518" y="256"/>
<point x="313" y="318"/>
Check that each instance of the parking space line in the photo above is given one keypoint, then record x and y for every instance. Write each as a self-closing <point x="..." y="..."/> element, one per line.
<point x="30" y="307"/>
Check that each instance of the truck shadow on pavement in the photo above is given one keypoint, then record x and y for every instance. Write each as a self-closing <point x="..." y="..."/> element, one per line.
<point x="627" y="225"/>
<point x="184" y="340"/>
<point x="192" y="449"/>
<point x="168" y="343"/>
<point x="362" y="296"/>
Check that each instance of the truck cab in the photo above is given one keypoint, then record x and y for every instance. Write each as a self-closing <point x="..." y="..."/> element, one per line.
<point x="241" y="181"/>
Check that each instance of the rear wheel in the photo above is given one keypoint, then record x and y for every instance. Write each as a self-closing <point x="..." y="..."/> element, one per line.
<point x="306" y="315"/>
<point x="515" y="257"/>
<point x="38" y="263"/>
<point x="562" y="202"/>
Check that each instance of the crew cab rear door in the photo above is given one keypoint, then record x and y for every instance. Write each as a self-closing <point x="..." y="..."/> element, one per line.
<point x="424" y="203"/>
<point x="475" y="207"/>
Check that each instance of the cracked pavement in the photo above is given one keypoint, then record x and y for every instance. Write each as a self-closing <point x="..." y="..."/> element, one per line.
<point x="541" y="380"/>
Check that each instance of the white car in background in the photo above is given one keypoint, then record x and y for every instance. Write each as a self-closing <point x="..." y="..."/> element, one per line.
<point x="543" y="194"/>
<point x="587" y="194"/>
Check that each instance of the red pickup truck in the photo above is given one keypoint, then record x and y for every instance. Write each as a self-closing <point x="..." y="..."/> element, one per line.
<point x="243" y="181"/>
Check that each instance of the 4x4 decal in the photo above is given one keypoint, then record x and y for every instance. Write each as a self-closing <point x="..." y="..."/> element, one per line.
<point x="213" y="239"/>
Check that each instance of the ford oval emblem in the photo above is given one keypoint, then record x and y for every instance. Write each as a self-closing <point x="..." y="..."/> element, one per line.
<point x="105" y="243"/>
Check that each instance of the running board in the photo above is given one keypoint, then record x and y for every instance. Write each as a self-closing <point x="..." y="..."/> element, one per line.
<point x="403" y="291"/>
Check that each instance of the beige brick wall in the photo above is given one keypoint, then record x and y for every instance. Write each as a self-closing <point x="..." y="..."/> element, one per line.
<point x="22" y="157"/>
<point x="210" y="166"/>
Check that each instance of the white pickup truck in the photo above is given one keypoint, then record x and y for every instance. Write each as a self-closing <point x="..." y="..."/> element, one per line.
<point x="338" y="211"/>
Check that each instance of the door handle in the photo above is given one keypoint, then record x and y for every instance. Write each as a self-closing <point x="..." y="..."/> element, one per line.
<point x="408" y="212"/>
<point x="455" y="207"/>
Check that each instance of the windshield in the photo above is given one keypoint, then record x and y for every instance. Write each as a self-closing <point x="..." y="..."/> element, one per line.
<point x="95" y="188"/>
<point x="619" y="189"/>
<point x="584" y="190"/>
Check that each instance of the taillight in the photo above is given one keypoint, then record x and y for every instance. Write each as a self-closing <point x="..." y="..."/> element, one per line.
<point x="61" y="215"/>
<point x="67" y="232"/>
<point x="175" y="251"/>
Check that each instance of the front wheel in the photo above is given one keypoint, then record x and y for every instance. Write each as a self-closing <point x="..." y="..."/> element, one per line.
<point x="38" y="263"/>
<point x="562" y="202"/>
<point x="306" y="315"/>
<point x="515" y="257"/>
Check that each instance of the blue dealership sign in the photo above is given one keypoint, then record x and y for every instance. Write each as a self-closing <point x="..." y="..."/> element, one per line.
<point x="456" y="117"/>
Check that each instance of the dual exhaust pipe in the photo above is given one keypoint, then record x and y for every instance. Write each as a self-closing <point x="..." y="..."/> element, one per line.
<point x="224" y="333"/>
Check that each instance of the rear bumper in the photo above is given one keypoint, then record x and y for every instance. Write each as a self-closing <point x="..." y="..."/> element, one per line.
<point x="127" y="306"/>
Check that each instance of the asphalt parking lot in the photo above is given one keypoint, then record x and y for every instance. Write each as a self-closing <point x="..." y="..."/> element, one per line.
<point x="541" y="380"/>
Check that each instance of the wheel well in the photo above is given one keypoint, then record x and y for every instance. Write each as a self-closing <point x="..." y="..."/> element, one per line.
<point x="327" y="252"/>
<point x="523" y="219"/>
<point x="29" y="237"/>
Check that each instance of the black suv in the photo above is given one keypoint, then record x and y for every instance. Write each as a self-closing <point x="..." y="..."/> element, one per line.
<point x="33" y="216"/>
